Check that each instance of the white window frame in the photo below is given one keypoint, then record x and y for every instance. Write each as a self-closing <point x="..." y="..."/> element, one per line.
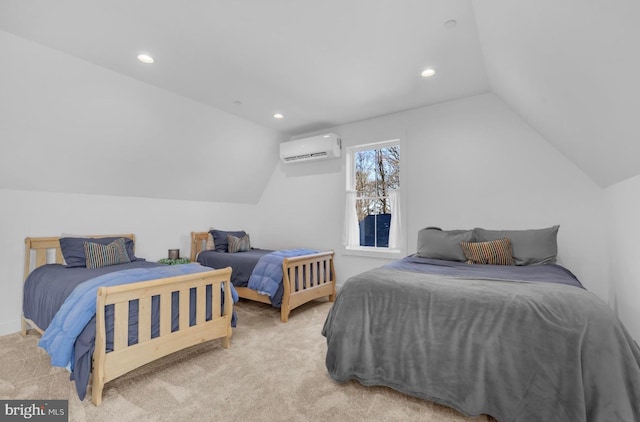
<point x="373" y="251"/>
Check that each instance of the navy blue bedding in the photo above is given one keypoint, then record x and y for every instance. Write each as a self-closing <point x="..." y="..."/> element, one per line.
<point x="242" y="264"/>
<point x="48" y="286"/>
<point x="547" y="273"/>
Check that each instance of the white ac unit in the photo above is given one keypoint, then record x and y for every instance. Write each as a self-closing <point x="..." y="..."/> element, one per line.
<point x="317" y="147"/>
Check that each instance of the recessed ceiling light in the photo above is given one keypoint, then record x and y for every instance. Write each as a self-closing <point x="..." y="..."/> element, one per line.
<point x="450" y="24"/>
<point x="427" y="73"/>
<point x="278" y="116"/>
<point x="145" y="58"/>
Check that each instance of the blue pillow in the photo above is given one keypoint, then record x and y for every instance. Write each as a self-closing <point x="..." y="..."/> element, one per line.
<point x="73" y="249"/>
<point x="220" y="238"/>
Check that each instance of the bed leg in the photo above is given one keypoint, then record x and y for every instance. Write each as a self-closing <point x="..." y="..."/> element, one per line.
<point x="23" y="327"/>
<point x="332" y="297"/>
<point x="226" y="342"/>
<point x="96" y="390"/>
<point x="284" y="314"/>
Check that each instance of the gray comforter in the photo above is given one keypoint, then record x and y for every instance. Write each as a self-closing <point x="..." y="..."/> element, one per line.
<point x="516" y="350"/>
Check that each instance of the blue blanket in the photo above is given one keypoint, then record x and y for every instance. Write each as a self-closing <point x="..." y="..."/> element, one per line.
<point x="80" y="307"/>
<point x="267" y="275"/>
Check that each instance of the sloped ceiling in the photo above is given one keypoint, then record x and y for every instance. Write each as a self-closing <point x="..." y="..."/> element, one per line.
<point x="320" y="63"/>
<point x="67" y="125"/>
<point x="568" y="68"/>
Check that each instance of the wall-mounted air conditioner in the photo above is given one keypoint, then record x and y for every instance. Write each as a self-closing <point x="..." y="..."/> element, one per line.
<point x="317" y="147"/>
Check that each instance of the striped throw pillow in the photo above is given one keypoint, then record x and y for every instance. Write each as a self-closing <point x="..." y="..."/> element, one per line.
<point x="493" y="252"/>
<point x="238" y="244"/>
<point x="98" y="255"/>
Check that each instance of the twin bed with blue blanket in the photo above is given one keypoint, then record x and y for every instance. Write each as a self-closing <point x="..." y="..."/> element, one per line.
<point x="285" y="279"/>
<point x="113" y="319"/>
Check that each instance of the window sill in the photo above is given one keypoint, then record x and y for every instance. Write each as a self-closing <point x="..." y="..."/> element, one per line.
<point x="372" y="252"/>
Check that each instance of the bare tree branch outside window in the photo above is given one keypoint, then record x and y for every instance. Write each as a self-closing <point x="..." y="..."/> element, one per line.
<point x="376" y="172"/>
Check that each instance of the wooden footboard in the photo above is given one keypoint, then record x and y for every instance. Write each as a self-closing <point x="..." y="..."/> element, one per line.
<point x="124" y="358"/>
<point x="305" y="278"/>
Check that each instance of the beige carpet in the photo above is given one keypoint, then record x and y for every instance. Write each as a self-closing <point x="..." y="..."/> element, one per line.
<point x="271" y="372"/>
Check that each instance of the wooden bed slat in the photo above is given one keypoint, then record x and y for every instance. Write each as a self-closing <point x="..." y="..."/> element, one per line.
<point x="121" y="325"/>
<point x="216" y="303"/>
<point x="201" y="304"/>
<point x="41" y="257"/>
<point x="144" y="319"/>
<point x="165" y="313"/>
<point x="184" y="308"/>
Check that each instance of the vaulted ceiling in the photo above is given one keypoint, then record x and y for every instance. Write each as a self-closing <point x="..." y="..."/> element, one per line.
<point x="568" y="68"/>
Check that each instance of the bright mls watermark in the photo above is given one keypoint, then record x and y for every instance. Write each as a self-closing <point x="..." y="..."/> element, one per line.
<point x="34" y="410"/>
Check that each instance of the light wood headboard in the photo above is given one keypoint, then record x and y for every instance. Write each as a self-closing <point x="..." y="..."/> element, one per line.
<point x="41" y="246"/>
<point x="198" y="244"/>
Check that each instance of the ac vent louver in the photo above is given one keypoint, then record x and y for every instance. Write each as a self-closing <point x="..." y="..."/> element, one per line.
<point x="318" y="147"/>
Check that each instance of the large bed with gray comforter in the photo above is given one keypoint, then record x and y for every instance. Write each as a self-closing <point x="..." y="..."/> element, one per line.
<point x="519" y="343"/>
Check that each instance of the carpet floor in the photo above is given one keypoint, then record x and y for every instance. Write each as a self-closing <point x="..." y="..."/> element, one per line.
<point x="271" y="372"/>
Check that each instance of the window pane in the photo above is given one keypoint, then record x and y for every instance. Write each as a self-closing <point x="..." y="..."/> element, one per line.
<point x="374" y="230"/>
<point x="377" y="171"/>
<point x="365" y="177"/>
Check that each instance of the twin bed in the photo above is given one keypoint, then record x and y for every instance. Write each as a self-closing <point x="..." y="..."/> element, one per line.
<point x="135" y="323"/>
<point x="522" y="342"/>
<point x="305" y="276"/>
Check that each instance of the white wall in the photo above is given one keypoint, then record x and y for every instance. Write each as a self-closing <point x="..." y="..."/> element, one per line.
<point x="466" y="163"/>
<point x="158" y="224"/>
<point x="623" y="200"/>
<point x="67" y="125"/>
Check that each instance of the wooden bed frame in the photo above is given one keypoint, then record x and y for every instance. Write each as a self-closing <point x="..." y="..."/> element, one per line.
<point x="318" y="268"/>
<point x="124" y="358"/>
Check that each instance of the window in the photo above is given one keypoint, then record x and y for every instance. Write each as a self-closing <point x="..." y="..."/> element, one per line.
<point x="372" y="218"/>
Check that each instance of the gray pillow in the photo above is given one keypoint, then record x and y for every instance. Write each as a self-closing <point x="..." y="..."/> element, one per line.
<point x="443" y="244"/>
<point x="536" y="246"/>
